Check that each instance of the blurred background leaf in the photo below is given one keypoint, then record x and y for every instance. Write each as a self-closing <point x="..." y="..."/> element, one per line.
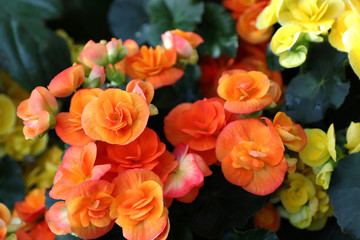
<point x="12" y="186"/>
<point x="218" y="30"/>
<point x="29" y="52"/>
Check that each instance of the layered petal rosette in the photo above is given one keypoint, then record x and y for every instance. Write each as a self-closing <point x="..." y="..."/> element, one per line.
<point x="138" y="206"/>
<point x="155" y="66"/>
<point x="252" y="156"/>
<point x="116" y="116"/>
<point x="244" y="92"/>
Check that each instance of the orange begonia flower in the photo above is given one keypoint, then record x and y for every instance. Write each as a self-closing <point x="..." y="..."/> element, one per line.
<point x="33" y="207"/>
<point x="247" y="30"/>
<point x="142" y="88"/>
<point x="40" y="231"/>
<point x="211" y="71"/>
<point x="37" y="112"/>
<point x="183" y="42"/>
<point x="93" y="54"/>
<point x="244" y="92"/>
<point x="68" y="124"/>
<point x="238" y="7"/>
<point x="138" y="206"/>
<point x="77" y="166"/>
<point x="154" y="66"/>
<point x="5" y="219"/>
<point x="292" y="135"/>
<point x="196" y="124"/>
<point x="116" y="116"/>
<point x="67" y="81"/>
<point x="252" y="156"/>
<point x="268" y="218"/>
<point x="143" y="152"/>
<point x="88" y="209"/>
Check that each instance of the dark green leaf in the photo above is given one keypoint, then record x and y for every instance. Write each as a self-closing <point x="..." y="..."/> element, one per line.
<point x="12" y="186"/>
<point x="29" y="52"/>
<point x="321" y="86"/>
<point x="344" y="193"/>
<point x="221" y="205"/>
<point x="66" y="237"/>
<point x="128" y="19"/>
<point x="273" y="61"/>
<point x="172" y="14"/>
<point x="187" y="86"/>
<point x="259" y="234"/>
<point x="218" y="30"/>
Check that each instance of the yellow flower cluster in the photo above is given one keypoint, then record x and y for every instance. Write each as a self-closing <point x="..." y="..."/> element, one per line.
<point x="12" y="140"/>
<point x="306" y="204"/>
<point x="301" y="22"/>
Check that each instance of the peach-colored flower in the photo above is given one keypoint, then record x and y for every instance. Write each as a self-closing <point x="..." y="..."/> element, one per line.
<point x="138" y="206"/>
<point x="142" y="88"/>
<point x="244" y="92"/>
<point x="184" y="182"/>
<point x="268" y="218"/>
<point x="37" y="112"/>
<point x="252" y="156"/>
<point x="67" y="81"/>
<point x="116" y="116"/>
<point x="155" y="66"/>
<point x="247" y="30"/>
<point x="93" y="54"/>
<point x="77" y="166"/>
<point x="183" y="42"/>
<point x="292" y="135"/>
<point x="196" y="124"/>
<point x="5" y="219"/>
<point x="68" y="124"/>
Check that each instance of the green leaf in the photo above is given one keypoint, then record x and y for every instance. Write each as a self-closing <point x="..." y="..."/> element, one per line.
<point x="321" y="85"/>
<point x="221" y="205"/>
<point x="344" y="193"/>
<point x="30" y="53"/>
<point x="12" y="186"/>
<point x="259" y="234"/>
<point x="273" y="61"/>
<point x="172" y="14"/>
<point x="217" y="28"/>
<point x="187" y="86"/>
<point x="128" y="19"/>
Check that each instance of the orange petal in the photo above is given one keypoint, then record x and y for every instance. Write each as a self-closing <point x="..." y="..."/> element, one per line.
<point x="166" y="77"/>
<point x="238" y="176"/>
<point x="268" y="179"/>
<point x="250" y="106"/>
<point x="57" y="219"/>
<point x="148" y="230"/>
<point x="67" y="81"/>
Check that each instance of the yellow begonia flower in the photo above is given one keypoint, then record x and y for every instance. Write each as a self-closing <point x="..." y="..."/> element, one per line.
<point x="323" y="174"/>
<point x="18" y="147"/>
<point x="353" y="138"/>
<point x="316" y="151"/>
<point x="284" y="38"/>
<point x="311" y="15"/>
<point x="355" y="6"/>
<point x="301" y="219"/>
<point x="351" y="40"/>
<point x="7" y="114"/>
<point x="298" y="194"/>
<point x="342" y="24"/>
<point x="331" y="141"/>
<point x="268" y="16"/>
<point x="293" y="58"/>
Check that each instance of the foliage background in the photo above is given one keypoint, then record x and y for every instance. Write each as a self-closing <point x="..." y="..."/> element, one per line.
<point x="316" y="96"/>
